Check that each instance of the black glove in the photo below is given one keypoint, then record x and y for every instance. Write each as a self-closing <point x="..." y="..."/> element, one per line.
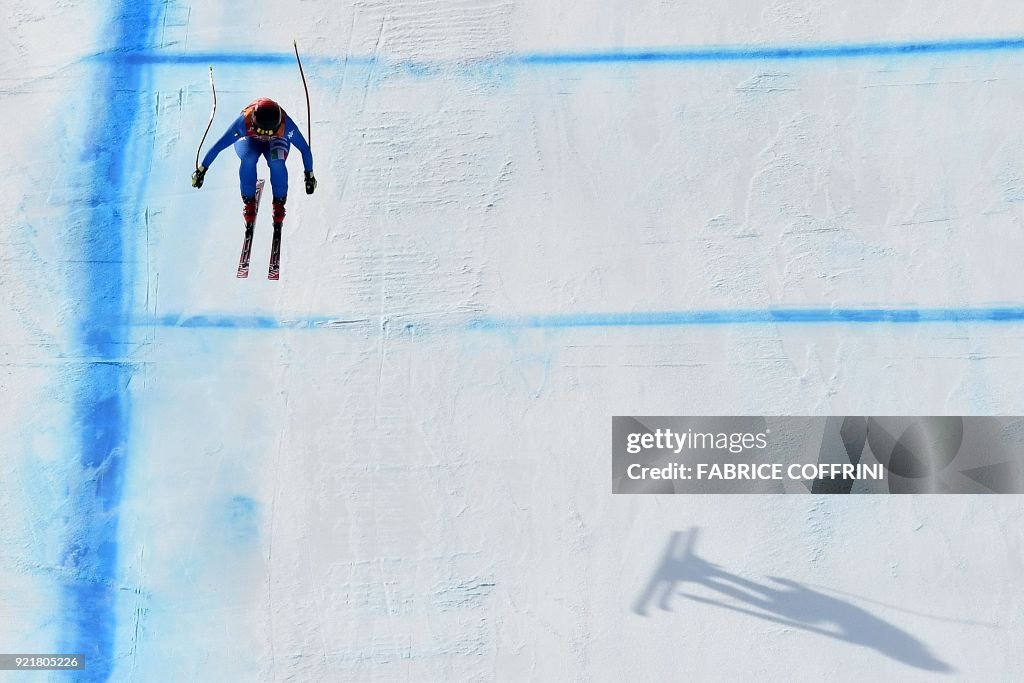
<point x="197" y="177"/>
<point x="310" y="182"/>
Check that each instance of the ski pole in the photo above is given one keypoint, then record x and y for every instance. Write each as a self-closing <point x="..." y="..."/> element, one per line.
<point x="210" y="122"/>
<point x="309" y="121"/>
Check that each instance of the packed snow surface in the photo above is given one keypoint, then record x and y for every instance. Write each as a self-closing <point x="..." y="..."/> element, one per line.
<point x="394" y="463"/>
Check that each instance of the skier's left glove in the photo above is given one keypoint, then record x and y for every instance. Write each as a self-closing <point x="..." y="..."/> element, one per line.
<point x="310" y="182"/>
<point x="197" y="177"/>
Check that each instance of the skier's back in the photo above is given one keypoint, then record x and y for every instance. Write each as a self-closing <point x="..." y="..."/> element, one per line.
<point x="263" y="129"/>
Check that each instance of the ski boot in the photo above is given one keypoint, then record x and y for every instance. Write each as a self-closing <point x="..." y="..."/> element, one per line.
<point x="249" y="210"/>
<point x="279" y="211"/>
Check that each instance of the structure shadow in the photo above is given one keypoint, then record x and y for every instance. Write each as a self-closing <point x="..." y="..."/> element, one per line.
<point x="778" y="600"/>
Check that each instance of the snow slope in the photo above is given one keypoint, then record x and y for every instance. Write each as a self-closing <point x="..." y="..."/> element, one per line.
<point x="393" y="464"/>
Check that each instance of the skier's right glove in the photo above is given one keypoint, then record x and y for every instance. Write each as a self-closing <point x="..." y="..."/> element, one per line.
<point x="197" y="177"/>
<point x="310" y="182"/>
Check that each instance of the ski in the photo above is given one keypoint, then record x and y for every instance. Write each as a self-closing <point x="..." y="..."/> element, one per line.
<point x="275" y="254"/>
<point x="243" y="260"/>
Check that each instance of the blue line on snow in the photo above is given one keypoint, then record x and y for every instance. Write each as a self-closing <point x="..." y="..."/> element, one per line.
<point x="90" y="555"/>
<point x="782" y="315"/>
<point x="147" y="58"/>
<point x="712" y="53"/>
<point x="763" y="316"/>
<point x="242" y="322"/>
<point x="786" y="52"/>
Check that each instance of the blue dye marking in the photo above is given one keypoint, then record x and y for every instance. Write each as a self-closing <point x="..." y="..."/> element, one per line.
<point x="243" y="519"/>
<point x="256" y="58"/>
<point x="754" y="316"/>
<point x="233" y="58"/>
<point x="540" y="59"/>
<point x="246" y="322"/>
<point x="90" y="555"/>
<point x="756" y="53"/>
<point x="981" y="314"/>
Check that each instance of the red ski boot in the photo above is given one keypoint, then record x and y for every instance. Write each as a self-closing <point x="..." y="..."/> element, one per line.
<point x="279" y="210"/>
<point x="249" y="210"/>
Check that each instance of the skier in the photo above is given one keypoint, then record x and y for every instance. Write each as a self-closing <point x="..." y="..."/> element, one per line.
<point x="262" y="129"/>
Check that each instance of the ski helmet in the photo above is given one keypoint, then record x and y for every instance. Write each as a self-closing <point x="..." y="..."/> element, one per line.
<point x="266" y="115"/>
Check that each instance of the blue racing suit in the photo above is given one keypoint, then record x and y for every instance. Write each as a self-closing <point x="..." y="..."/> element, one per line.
<point x="251" y="147"/>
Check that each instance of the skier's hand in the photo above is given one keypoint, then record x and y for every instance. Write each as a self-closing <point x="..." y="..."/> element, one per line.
<point x="310" y="182"/>
<point x="197" y="177"/>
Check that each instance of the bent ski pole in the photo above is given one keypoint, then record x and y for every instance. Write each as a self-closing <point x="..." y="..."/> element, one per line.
<point x="210" y="122"/>
<point x="309" y="121"/>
